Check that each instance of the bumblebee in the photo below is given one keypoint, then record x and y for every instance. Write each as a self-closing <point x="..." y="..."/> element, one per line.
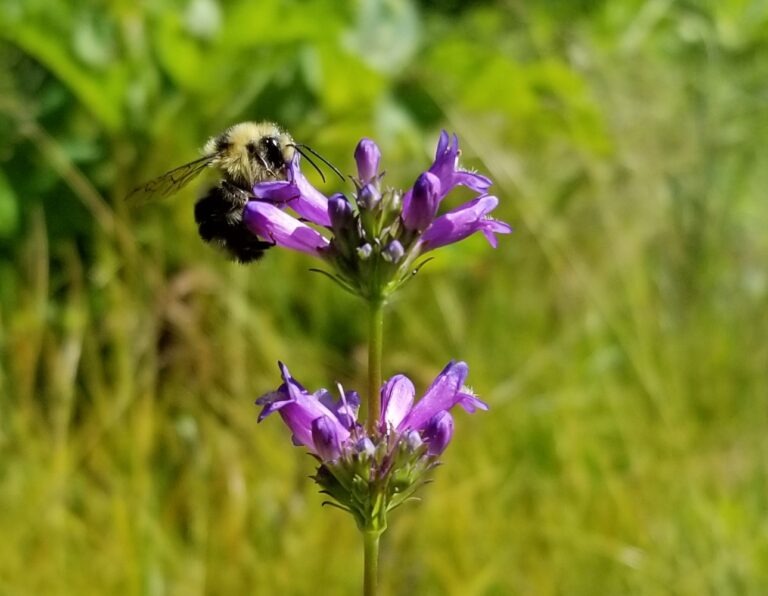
<point x="245" y="154"/>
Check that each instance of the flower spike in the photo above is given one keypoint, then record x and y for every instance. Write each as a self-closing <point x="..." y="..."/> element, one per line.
<point x="373" y="239"/>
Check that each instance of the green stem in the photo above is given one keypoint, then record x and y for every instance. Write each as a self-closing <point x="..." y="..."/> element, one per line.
<point x="375" y="346"/>
<point x="371" y="562"/>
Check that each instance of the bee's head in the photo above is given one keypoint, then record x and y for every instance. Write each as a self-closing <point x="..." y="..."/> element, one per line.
<point x="252" y="152"/>
<point x="271" y="153"/>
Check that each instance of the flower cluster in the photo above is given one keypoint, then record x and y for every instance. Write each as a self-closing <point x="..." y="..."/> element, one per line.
<point x="370" y="473"/>
<point x="373" y="239"/>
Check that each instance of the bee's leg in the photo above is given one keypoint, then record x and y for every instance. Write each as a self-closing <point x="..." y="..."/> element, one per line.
<point x="238" y="196"/>
<point x="265" y="165"/>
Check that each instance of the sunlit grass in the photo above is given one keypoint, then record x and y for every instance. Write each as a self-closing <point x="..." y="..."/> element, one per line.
<point x="618" y="334"/>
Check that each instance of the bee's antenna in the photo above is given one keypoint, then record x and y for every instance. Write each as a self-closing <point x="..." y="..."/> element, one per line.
<point x="314" y="165"/>
<point x="300" y="146"/>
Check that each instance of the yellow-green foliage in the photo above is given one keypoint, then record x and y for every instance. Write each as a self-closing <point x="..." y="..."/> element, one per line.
<point x="619" y="334"/>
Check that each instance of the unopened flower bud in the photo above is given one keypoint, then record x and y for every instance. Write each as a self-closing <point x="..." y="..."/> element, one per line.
<point x="413" y="440"/>
<point x="420" y="205"/>
<point x="365" y="251"/>
<point x="394" y="252"/>
<point x="365" y="446"/>
<point x="340" y="212"/>
<point x="369" y="197"/>
<point x="367" y="156"/>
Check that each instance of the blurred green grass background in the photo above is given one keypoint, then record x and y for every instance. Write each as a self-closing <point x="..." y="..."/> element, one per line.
<point x="619" y="335"/>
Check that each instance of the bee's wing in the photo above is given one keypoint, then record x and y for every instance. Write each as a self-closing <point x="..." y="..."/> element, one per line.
<point x="172" y="181"/>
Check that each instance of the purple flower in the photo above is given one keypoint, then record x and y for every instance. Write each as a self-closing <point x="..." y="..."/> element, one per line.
<point x="367" y="156"/>
<point x="297" y="193"/>
<point x="271" y="223"/>
<point x="427" y="417"/>
<point x="464" y="221"/>
<point x="420" y="205"/>
<point x="446" y="168"/>
<point x="300" y="411"/>
<point x="329" y="428"/>
<point x="446" y="391"/>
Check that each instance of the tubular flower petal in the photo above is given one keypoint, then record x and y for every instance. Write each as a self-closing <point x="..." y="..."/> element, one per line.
<point x="470" y="403"/>
<point x="446" y="167"/>
<point x="297" y="193"/>
<point x="271" y="223"/>
<point x="278" y="192"/>
<point x="325" y="435"/>
<point x="299" y="410"/>
<point x="396" y="401"/>
<point x="443" y="394"/>
<point x="345" y="409"/>
<point x="438" y="432"/>
<point x="464" y="221"/>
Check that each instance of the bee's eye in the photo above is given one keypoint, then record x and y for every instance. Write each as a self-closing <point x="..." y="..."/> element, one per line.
<point x="272" y="153"/>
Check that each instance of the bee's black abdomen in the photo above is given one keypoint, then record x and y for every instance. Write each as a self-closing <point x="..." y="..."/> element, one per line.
<point x="219" y="217"/>
<point x="244" y="247"/>
<point x="214" y="216"/>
